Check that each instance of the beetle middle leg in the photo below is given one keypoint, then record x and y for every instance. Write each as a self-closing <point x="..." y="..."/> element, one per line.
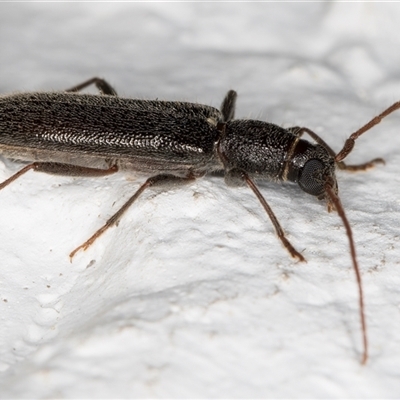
<point x="228" y="106"/>
<point x="156" y="180"/>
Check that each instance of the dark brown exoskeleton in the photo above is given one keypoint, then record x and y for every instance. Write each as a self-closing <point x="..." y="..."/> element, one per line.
<point x="69" y="133"/>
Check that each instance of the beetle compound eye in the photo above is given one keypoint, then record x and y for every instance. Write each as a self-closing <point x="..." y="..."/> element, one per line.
<point x="311" y="180"/>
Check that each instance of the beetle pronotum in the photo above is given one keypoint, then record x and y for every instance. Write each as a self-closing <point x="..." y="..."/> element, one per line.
<point x="69" y="133"/>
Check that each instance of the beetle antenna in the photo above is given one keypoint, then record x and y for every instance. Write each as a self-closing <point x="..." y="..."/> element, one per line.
<point x="334" y="198"/>
<point x="349" y="144"/>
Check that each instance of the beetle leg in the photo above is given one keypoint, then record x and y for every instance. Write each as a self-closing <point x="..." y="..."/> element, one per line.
<point x="103" y="86"/>
<point x="228" y="106"/>
<point x="236" y="178"/>
<point x="59" y="169"/>
<point x="153" y="181"/>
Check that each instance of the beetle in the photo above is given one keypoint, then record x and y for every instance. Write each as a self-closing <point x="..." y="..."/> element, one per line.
<point x="70" y="133"/>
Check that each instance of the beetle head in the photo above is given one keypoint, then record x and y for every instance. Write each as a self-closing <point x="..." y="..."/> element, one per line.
<point x="315" y="176"/>
<point x="313" y="168"/>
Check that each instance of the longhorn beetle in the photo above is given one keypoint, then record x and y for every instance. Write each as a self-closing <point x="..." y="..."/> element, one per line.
<point x="70" y="133"/>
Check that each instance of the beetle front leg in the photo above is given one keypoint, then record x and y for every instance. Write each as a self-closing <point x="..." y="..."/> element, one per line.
<point x="237" y="178"/>
<point x="158" y="180"/>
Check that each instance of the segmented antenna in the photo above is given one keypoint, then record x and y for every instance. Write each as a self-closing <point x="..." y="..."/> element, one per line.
<point x="334" y="198"/>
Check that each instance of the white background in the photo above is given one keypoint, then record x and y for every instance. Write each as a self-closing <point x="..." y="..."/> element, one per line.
<point x="192" y="295"/>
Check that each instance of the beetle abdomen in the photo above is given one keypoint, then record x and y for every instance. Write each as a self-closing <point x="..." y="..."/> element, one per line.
<point x="110" y="126"/>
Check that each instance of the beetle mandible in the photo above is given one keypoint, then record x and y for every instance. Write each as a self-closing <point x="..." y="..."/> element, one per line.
<point x="70" y="133"/>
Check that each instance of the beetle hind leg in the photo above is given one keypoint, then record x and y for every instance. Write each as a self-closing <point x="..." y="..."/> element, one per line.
<point x="103" y="86"/>
<point x="59" y="169"/>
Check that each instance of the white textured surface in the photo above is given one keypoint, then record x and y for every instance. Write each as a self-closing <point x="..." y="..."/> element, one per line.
<point x="193" y="295"/>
